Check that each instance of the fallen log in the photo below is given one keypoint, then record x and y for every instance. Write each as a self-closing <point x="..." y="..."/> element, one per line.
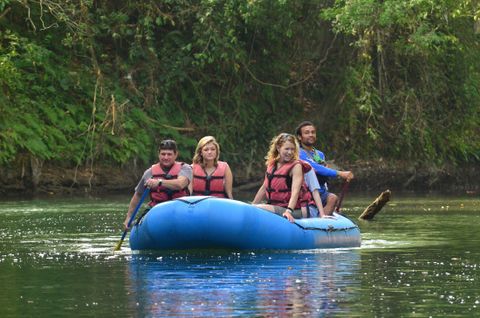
<point x="248" y="186"/>
<point x="375" y="206"/>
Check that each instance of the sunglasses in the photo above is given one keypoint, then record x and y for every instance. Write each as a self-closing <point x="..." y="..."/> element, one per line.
<point x="286" y="136"/>
<point x="168" y="144"/>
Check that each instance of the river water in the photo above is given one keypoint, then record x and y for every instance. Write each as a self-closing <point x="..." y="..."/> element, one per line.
<point x="420" y="257"/>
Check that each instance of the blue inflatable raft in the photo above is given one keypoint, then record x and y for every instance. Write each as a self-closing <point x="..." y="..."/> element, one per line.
<point x="200" y="222"/>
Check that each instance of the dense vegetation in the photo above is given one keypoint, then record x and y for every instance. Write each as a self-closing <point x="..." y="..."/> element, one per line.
<point x="89" y="81"/>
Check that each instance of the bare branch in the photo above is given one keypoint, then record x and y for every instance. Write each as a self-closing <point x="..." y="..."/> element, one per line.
<point x="5" y="12"/>
<point x="300" y="81"/>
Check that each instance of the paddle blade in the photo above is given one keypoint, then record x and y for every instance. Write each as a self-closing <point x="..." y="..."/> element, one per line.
<point x="119" y="245"/>
<point x="139" y="204"/>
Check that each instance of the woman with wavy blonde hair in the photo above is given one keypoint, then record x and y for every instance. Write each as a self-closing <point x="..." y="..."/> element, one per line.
<point x="284" y="187"/>
<point x="273" y="154"/>
<point x="210" y="175"/>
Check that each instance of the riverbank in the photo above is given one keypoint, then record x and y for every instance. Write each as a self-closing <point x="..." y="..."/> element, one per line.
<point x="370" y="176"/>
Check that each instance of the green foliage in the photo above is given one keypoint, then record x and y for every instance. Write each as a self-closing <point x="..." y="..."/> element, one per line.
<point x="419" y="56"/>
<point x="103" y="81"/>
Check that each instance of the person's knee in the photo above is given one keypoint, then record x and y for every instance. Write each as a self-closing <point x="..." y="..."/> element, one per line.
<point x="332" y="198"/>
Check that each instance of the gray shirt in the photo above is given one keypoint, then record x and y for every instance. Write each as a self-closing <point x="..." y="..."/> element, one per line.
<point x="311" y="180"/>
<point x="185" y="171"/>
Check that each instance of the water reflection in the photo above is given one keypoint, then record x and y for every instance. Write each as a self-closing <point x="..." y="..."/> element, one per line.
<point x="419" y="258"/>
<point x="230" y="284"/>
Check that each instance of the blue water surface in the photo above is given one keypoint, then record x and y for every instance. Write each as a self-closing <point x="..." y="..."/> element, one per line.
<point x="237" y="284"/>
<point x="419" y="258"/>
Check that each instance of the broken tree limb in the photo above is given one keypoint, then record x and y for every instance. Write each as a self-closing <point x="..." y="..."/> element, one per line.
<point x="375" y="206"/>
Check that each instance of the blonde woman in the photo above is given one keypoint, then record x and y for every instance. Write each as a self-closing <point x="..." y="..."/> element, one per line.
<point x="284" y="187"/>
<point x="210" y="175"/>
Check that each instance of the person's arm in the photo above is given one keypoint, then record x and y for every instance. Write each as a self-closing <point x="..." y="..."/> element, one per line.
<point x="347" y="175"/>
<point x="297" y="180"/>
<point x="190" y="184"/>
<point x="313" y="185"/>
<point x="319" y="168"/>
<point x="137" y="195"/>
<point x="325" y="171"/>
<point x="318" y="203"/>
<point x="174" y="184"/>
<point x="133" y="203"/>
<point x="229" y="182"/>
<point x="182" y="181"/>
<point x="260" y="195"/>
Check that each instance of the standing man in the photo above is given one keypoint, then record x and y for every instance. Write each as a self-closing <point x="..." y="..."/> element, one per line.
<point x="307" y="136"/>
<point x="167" y="179"/>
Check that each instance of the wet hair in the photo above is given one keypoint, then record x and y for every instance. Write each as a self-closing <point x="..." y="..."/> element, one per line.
<point x="298" y="130"/>
<point x="277" y="142"/>
<point x="197" y="157"/>
<point x="168" y="144"/>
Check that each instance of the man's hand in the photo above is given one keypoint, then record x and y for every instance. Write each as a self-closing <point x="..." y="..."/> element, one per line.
<point x="152" y="183"/>
<point x="125" y="224"/>
<point x="347" y="175"/>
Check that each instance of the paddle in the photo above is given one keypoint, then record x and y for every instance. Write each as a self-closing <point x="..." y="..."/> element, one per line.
<point x="342" y="195"/>
<point x="145" y="193"/>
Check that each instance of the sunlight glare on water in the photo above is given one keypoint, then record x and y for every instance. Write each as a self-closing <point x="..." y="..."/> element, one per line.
<point x="419" y="257"/>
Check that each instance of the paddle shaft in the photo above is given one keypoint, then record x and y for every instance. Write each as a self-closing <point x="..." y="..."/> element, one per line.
<point x="145" y="193"/>
<point x="342" y="195"/>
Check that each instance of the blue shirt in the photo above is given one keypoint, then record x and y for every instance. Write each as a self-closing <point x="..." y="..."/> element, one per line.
<point x="320" y="170"/>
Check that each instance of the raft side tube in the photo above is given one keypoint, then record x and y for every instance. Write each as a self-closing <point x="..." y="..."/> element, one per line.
<point x="208" y="222"/>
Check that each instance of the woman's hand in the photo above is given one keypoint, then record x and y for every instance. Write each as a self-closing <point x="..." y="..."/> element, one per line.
<point x="288" y="216"/>
<point x="328" y="217"/>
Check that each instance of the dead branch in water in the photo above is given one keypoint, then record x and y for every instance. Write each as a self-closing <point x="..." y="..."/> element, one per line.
<point x="375" y="206"/>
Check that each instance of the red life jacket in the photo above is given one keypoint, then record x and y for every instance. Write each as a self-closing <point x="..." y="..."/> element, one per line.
<point x="278" y="185"/>
<point x="213" y="184"/>
<point x="161" y="193"/>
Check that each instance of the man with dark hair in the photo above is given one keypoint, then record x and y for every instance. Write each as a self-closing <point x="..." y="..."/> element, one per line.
<point x="307" y="136"/>
<point x="167" y="179"/>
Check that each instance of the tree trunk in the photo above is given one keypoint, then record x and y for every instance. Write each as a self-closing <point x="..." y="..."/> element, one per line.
<point x="36" y="169"/>
<point x="375" y="206"/>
